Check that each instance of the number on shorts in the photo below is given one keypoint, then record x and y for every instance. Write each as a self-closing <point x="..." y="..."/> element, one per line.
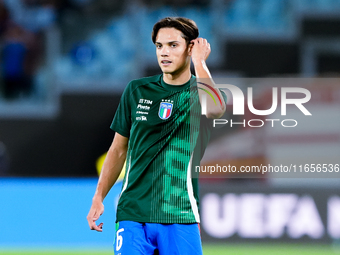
<point x="119" y="239"/>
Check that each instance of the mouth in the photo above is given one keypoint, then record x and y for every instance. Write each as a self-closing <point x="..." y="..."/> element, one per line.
<point x="165" y="62"/>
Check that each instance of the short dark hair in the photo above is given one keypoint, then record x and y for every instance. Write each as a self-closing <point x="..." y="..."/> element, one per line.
<point x="188" y="27"/>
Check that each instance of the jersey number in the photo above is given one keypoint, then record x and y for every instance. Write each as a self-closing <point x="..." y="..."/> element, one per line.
<point x="119" y="242"/>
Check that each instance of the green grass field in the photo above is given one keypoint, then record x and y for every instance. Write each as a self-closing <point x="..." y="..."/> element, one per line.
<point x="245" y="249"/>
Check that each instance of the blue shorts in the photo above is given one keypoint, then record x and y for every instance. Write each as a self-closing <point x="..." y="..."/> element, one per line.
<point x="134" y="238"/>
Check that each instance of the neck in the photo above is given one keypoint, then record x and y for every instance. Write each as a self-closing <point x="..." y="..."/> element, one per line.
<point x="177" y="78"/>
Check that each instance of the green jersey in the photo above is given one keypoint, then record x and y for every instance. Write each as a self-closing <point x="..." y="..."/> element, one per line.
<point x="167" y="138"/>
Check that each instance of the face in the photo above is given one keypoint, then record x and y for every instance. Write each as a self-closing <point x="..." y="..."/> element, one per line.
<point x="172" y="52"/>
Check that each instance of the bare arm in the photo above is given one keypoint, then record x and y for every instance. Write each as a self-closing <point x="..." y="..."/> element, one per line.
<point x="112" y="167"/>
<point x="216" y="105"/>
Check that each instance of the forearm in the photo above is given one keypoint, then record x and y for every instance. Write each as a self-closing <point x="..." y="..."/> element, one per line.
<point x="112" y="167"/>
<point x="215" y="105"/>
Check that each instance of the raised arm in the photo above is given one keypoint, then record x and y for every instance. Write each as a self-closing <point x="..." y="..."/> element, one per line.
<point x="215" y="105"/>
<point x="112" y="167"/>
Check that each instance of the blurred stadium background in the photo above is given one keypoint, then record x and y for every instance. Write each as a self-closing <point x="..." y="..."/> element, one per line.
<point x="64" y="65"/>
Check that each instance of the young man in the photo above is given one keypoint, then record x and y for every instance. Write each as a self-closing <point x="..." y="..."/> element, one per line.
<point x="161" y="134"/>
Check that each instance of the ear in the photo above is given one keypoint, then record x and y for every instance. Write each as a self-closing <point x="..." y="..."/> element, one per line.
<point x="190" y="48"/>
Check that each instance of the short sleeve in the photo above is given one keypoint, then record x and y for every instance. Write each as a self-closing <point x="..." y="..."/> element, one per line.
<point x="122" y="120"/>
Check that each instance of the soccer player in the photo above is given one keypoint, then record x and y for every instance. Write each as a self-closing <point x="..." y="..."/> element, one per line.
<point x="162" y="136"/>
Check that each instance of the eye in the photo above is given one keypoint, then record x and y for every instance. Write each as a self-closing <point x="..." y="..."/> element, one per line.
<point x="174" y="45"/>
<point x="158" y="46"/>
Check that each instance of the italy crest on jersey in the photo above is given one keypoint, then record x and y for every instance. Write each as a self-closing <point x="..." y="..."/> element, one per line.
<point x="165" y="110"/>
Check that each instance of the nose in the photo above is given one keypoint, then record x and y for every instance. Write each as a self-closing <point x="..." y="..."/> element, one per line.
<point x="165" y="51"/>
